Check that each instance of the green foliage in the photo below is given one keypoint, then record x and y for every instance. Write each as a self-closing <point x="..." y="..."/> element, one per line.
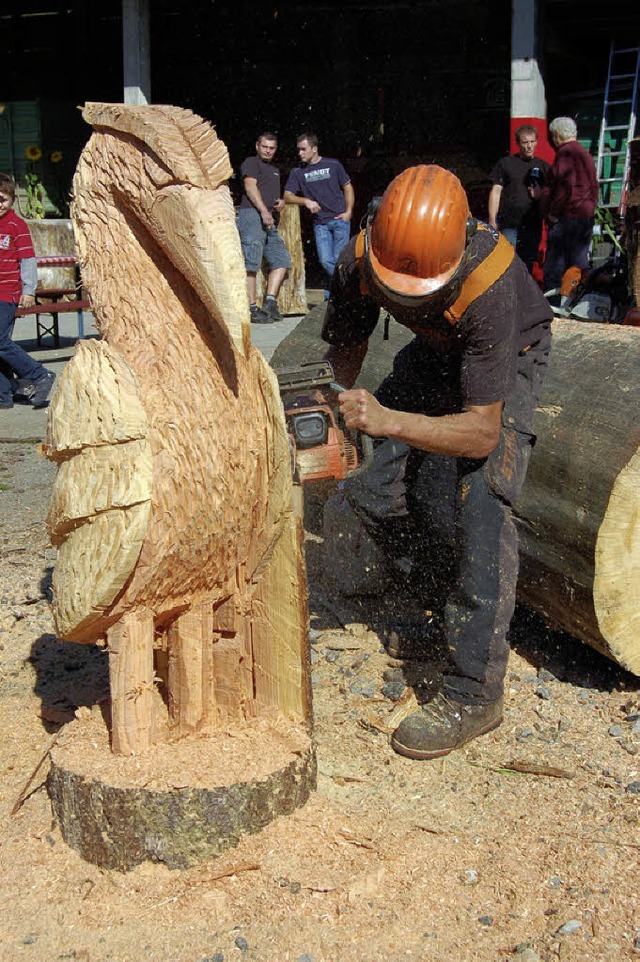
<point x="605" y="219"/>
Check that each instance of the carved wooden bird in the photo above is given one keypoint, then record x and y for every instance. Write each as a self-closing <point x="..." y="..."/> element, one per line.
<point x="172" y="503"/>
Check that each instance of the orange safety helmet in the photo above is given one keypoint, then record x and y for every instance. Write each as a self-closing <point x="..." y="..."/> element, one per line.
<point x="416" y="240"/>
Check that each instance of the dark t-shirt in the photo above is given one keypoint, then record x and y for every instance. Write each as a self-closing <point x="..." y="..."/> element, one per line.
<point x="322" y="182"/>
<point x="510" y="316"/>
<point x="512" y="173"/>
<point x="268" y="177"/>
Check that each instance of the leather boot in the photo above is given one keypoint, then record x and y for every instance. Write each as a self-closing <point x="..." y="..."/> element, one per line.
<point x="443" y="725"/>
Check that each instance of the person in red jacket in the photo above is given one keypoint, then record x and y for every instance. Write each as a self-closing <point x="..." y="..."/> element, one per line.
<point x="568" y="202"/>
<point x="18" y="276"/>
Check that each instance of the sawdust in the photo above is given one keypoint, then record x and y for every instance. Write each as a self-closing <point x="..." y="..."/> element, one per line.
<point x="479" y="856"/>
<point x="247" y="752"/>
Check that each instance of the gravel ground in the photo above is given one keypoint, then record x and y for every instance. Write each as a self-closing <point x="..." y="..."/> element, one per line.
<point x="524" y="845"/>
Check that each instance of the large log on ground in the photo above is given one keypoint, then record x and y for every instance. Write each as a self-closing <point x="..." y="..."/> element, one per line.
<point x="579" y="512"/>
<point x="178" y="546"/>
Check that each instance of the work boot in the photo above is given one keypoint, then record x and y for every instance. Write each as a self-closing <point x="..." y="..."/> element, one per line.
<point x="270" y="307"/>
<point x="442" y="725"/>
<point x="258" y="316"/>
<point x="42" y="389"/>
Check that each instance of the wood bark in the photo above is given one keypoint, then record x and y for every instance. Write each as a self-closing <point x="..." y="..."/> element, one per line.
<point x="178" y="807"/>
<point x="292" y="297"/>
<point x="579" y="512"/>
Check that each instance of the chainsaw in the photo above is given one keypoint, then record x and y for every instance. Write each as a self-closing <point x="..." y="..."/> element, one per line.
<point x="322" y="447"/>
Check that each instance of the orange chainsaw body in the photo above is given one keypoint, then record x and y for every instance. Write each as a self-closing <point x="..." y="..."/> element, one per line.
<point x="320" y="449"/>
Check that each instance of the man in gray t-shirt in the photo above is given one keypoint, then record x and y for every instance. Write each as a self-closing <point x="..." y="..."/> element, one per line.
<point x="258" y="214"/>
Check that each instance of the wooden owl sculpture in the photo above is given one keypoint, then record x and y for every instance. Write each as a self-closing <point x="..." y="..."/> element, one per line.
<point x="171" y="509"/>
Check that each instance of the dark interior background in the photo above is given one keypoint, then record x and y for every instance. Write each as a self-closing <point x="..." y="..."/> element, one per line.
<point x="383" y="83"/>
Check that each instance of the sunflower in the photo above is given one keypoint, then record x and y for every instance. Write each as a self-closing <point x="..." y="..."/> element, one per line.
<point x="56" y="156"/>
<point x="33" y="153"/>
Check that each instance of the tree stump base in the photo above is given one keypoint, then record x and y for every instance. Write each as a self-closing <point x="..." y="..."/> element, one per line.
<point x="179" y="803"/>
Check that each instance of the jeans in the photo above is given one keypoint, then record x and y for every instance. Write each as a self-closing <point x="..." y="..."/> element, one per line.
<point x="526" y="241"/>
<point x="14" y="358"/>
<point x="568" y="243"/>
<point x="330" y="239"/>
<point x="453" y="515"/>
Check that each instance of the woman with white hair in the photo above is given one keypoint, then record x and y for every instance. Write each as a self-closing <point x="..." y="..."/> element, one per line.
<point x="568" y="202"/>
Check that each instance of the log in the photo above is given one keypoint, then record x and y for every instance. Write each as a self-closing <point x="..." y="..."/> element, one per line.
<point x="579" y="513"/>
<point x="292" y="297"/>
<point x="172" y="511"/>
<point x="191" y="801"/>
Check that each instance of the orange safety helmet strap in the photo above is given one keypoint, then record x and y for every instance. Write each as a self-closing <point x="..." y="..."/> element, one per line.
<point x="482" y="277"/>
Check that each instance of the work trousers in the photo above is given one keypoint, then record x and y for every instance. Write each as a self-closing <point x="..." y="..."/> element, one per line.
<point x="454" y="514"/>
<point x="568" y="244"/>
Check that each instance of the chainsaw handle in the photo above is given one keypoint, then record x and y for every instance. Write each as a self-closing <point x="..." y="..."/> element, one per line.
<point x="367" y="451"/>
<point x="366" y="439"/>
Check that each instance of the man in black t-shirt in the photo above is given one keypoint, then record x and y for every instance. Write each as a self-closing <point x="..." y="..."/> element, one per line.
<point x="257" y="221"/>
<point x="514" y="207"/>
<point x="458" y="407"/>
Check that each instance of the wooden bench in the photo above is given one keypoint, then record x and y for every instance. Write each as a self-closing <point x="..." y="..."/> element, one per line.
<point x="53" y="303"/>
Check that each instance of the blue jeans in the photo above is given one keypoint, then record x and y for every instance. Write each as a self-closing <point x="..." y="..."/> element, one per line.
<point x="330" y="239"/>
<point x="13" y="357"/>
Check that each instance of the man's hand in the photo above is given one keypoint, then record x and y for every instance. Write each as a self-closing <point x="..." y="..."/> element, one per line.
<point x="345" y="217"/>
<point x="279" y="204"/>
<point x="27" y="300"/>
<point x="361" y="412"/>
<point x="267" y="218"/>
<point x="312" y="205"/>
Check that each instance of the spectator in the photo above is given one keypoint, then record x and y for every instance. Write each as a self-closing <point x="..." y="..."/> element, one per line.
<point x="18" y="278"/>
<point x="514" y="206"/>
<point x="258" y="215"/>
<point x="568" y="202"/>
<point x="323" y="186"/>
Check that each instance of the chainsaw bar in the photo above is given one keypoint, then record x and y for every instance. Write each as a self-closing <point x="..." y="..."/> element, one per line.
<point x="302" y="376"/>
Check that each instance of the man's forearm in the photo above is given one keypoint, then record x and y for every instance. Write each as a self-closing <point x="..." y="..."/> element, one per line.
<point x="473" y="433"/>
<point x="494" y="204"/>
<point x="464" y="435"/>
<point x="347" y="362"/>
<point x="349" y="199"/>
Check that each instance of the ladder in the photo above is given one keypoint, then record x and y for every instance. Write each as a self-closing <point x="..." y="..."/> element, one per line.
<point x="618" y="125"/>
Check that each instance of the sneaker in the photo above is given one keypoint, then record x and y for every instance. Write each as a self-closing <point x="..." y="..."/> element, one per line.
<point x="442" y="725"/>
<point x="271" y="308"/>
<point x="5" y="403"/>
<point x="258" y="316"/>
<point x="23" y="390"/>
<point x="42" y="390"/>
